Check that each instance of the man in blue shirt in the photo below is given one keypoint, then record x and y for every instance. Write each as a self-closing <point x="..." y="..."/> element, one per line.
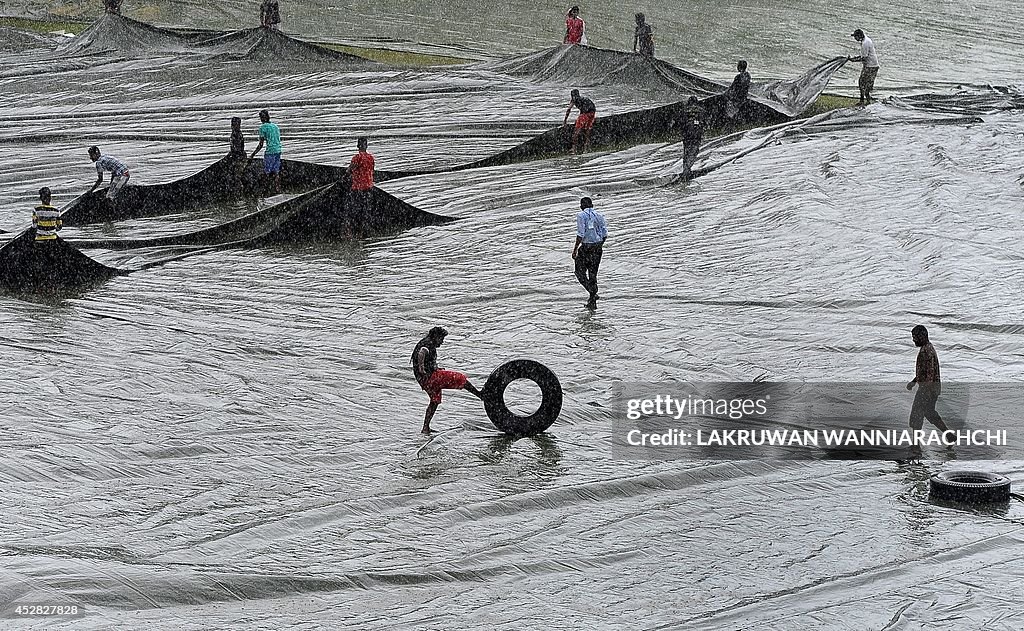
<point x="271" y="135"/>
<point x="591" y="232"/>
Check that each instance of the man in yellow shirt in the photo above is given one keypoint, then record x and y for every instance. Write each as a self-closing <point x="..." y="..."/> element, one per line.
<point x="46" y="218"/>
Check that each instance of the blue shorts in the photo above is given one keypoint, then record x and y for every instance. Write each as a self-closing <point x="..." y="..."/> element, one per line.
<point x="271" y="163"/>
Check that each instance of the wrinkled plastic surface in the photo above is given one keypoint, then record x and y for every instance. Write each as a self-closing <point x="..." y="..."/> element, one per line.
<point x="580" y="66"/>
<point x="231" y="440"/>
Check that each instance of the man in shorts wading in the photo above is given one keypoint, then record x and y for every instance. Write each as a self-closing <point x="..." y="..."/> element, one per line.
<point x="584" y="122"/>
<point x="431" y="378"/>
<point x="119" y="174"/>
<point x="271" y="135"/>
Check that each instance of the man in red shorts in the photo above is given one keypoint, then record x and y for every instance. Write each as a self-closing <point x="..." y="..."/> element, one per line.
<point x="584" y="122"/>
<point x="431" y="378"/>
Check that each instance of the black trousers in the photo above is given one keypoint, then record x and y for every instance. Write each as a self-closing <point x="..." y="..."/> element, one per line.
<point x="924" y="406"/>
<point x="588" y="259"/>
<point x="359" y="211"/>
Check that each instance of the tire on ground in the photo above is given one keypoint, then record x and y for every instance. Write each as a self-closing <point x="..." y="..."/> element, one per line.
<point x="502" y="417"/>
<point x="969" y="487"/>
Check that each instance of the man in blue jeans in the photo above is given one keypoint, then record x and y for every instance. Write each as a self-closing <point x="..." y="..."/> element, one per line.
<point x="271" y="135"/>
<point x="591" y="232"/>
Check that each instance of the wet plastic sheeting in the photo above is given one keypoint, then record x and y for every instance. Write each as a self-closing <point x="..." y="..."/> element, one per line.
<point x="226" y="180"/>
<point x="322" y="215"/>
<point x="123" y="36"/>
<point x="231" y="440"/>
<point x="48" y="266"/>
<point x="581" y="66"/>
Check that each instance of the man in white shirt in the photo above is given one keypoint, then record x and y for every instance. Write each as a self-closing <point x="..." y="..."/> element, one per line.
<point x="118" y="172"/>
<point x="870" y="60"/>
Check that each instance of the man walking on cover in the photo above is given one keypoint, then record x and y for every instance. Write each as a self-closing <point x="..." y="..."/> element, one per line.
<point x="693" y="134"/>
<point x="926" y="378"/>
<point x="431" y="378"/>
<point x="591" y="232"/>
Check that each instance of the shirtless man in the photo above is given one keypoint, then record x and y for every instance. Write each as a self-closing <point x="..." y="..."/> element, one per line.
<point x="584" y="122"/>
<point x="431" y="378"/>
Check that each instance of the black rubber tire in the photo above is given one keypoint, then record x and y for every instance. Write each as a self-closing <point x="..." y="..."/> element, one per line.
<point x="969" y="487"/>
<point x="502" y="417"/>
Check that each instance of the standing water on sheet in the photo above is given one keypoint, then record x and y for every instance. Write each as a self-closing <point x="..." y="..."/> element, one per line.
<point x="231" y="440"/>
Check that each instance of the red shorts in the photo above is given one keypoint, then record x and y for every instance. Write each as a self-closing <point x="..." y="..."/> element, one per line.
<point x="586" y="121"/>
<point x="447" y="379"/>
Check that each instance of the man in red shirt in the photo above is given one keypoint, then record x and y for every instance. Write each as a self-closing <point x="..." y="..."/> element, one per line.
<point x="359" y="202"/>
<point x="575" y="28"/>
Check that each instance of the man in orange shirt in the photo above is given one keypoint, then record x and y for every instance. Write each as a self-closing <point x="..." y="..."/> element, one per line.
<point x="359" y="201"/>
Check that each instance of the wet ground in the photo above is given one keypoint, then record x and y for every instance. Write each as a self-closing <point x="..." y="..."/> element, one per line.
<point x="231" y="440"/>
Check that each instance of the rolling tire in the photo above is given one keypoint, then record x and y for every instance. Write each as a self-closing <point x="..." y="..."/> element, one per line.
<point x="494" y="397"/>
<point x="969" y="487"/>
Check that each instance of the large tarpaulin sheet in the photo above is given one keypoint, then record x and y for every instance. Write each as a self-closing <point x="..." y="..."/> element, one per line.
<point x="325" y="214"/>
<point x="116" y="34"/>
<point x="226" y="180"/>
<point x="583" y="66"/>
<point x="30" y="265"/>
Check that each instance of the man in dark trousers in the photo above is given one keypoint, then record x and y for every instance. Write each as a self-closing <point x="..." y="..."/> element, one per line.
<point x="926" y="378"/>
<point x="112" y="6"/>
<point x="869" y="58"/>
<point x="584" y="122"/>
<point x="693" y="133"/>
<point x="591" y="232"/>
<point x="270" y="14"/>
<point x="738" y="91"/>
<point x="359" y="199"/>
<point x="431" y="378"/>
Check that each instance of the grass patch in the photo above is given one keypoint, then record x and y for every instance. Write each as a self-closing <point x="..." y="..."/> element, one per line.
<point x="397" y="57"/>
<point x="827" y="103"/>
<point x="44" y="26"/>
